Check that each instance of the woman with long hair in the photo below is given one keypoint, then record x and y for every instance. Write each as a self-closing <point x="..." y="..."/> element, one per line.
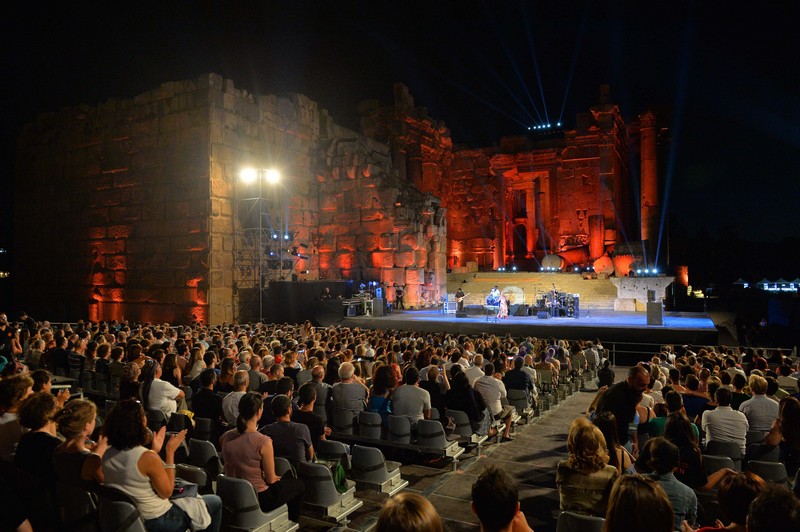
<point x="171" y="370"/>
<point x="227" y="369"/>
<point x="132" y="464"/>
<point x="383" y="384"/>
<point x="196" y="365"/>
<point x="76" y="463"/>
<point x="585" y="478"/>
<point x="638" y="503"/>
<point x="158" y="394"/>
<point x="618" y="456"/>
<point x="249" y="455"/>
<point x="690" y="468"/>
<point x="785" y="432"/>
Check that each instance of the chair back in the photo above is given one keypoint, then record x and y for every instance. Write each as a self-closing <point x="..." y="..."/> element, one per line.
<point x="320" y="489"/>
<point x="284" y="467"/>
<point x="196" y="475"/>
<point x="155" y="419"/>
<point x="732" y="450"/>
<point x="545" y="378"/>
<point x="117" y="511"/>
<point x="574" y="522"/>
<point x="368" y="464"/>
<point x="463" y="425"/>
<point x="240" y="507"/>
<point x="518" y="399"/>
<point x="204" y="455"/>
<point x="755" y="436"/>
<point x="770" y="471"/>
<point x="333" y="450"/>
<point x="399" y="430"/>
<point x="178" y="422"/>
<point x="343" y="421"/>
<point x="430" y="433"/>
<point x="203" y="428"/>
<point x="370" y="425"/>
<point x="77" y="508"/>
<point x="713" y="463"/>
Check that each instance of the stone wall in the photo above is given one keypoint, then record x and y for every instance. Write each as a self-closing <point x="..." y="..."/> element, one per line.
<point x="111" y="208"/>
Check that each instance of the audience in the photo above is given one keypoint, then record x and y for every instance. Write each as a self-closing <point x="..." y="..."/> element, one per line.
<point x="74" y="462"/>
<point x="760" y="410"/>
<point x="585" y="478"/>
<point x="230" y="404"/>
<point x="409" y="399"/>
<point x="290" y="440"/>
<point x="664" y="458"/>
<point x="495" y="500"/>
<point x="248" y="454"/>
<point x="637" y="503"/>
<point x="736" y="492"/>
<point x="775" y="509"/>
<point x="724" y="424"/>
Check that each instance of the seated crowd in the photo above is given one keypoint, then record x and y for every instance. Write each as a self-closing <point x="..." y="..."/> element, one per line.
<point x="274" y="390"/>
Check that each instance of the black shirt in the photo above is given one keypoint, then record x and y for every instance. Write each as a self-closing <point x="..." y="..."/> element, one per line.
<point x="208" y="404"/>
<point x="312" y="421"/>
<point x="35" y="454"/>
<point x="621" y="401"/>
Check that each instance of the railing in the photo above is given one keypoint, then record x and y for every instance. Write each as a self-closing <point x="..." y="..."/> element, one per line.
<point x="645" y="351"/>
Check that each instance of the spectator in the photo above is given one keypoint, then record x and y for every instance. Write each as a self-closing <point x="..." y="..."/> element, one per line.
<point x="34" y="454"/>
<point x="739" y="397"/>
<point x="495" y="500"/>
<point x="475" y="372"/>
<point x="256" y="377"/>
<point x="735" y="493"/>
<point x="156" y="393"/>
<point x="410" y="400"/>
<point x="226" y="372"/>
<point x="725" y="424"/>
<point x="196" y="364"/>
<point x="290" y="440"/>
<point x="621" y="400"/>
<point x="785" y="379"/>
<point x="306" y="398"/>
<point x="436" y="385"/>
<point x="760" y="410"/>
<point x="349" y="394"/>
<point x="249" y="455"/>
<point x="517" y="379"/>
<point x="774" y="510"/>
<point x="637" y="503"/>
<point x="618" y="455"/>
<point x="493" y="392"/>
<point x="585" y="478"/>
<point x="138" y="471"/>
<point x="674" y="404"/>
<point x="463" y="397"/>
<point x="785" y="432"/>
<point x="383" y="384"/>
<point x="206" y="403"/>
<point x="664" y="457"/>
<point x="12" y="391"/>
<point x="694" y="401"/>
<point x="129" y="385"/>
<point x="75" y="463"/>
<point x="230" y="404"/>
<point x="171" y="370"/>
<point x="275" y="374"/>
<point x="408" y="511"/>
<point x="605" y="375"/>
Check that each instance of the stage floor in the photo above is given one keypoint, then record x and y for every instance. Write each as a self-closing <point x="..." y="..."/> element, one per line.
<point x="609" y="326"/>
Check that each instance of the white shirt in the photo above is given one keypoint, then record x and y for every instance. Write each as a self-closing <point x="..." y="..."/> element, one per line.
<point x="761" y="411"/>
<point x="162" y="397"/>
<point x="230" y="406"/>
<point x="725" y="424"/>
<point x="410" y="401"/>
<point x="492" y="390"/>
<point x="473" y="374"/>
<point x="788" y="383"/>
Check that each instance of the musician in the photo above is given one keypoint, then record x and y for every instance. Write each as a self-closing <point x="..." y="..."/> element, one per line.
<point x="460" y="299"/>
<point x="494" y="297"/>
<point x="326" y="294"/>
<point x="503" y="307"/>
<point x="398" y="297"/>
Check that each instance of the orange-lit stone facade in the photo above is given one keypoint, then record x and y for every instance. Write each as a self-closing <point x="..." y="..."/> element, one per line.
<point x="568" y="194"/>
<point x="132" y="209"/>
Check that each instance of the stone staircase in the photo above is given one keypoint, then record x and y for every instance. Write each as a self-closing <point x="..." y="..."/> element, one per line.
<point x="523" y="287"/>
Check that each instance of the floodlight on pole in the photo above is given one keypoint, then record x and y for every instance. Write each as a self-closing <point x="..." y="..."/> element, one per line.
<point x="248" y="175"/>
<point x="272" y="176"/>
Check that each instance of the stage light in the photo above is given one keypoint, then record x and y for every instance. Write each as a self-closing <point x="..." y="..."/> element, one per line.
<point x="638" y="271"/>
<point x="655" y="270"/>
<point x="647" y="270"/>
<point x="514" y="268"/>
<point x="248" y="175"/>
<point x="529" y="128"/>
<point x="558" y="124"/>
<point x="548" y="126"/>
<point x="286" y="236"/>
<point x="272" y="176"/>
<point x="274" y="236"/>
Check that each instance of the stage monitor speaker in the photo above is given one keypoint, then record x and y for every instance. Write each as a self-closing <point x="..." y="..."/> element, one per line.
<point x="350" y="311"/>
<point x="655" y="313"/>
<point x="651" y="296"/>
<point x="543" y="315"/>
<point x="461" y="314"/>
<point x="378" y="305"/>
<point x="519" y="310"/>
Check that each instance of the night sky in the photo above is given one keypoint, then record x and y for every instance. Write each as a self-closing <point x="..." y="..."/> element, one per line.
<point x="724" y="79"/>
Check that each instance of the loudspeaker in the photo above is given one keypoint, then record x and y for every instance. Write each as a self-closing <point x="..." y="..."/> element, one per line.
<point x="543" y="315"/>
<point x="655" y="313"/>
<point x="519" y="310"/>
<point x="461" y="314"/>
<point x="378" y="305"/>
<point x="350" y="311"/>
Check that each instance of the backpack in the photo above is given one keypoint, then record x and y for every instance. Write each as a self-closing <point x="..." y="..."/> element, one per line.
<point x="339" y="479"/>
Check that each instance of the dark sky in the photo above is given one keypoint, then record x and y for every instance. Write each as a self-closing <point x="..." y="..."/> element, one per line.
<point x="724" y="78"/>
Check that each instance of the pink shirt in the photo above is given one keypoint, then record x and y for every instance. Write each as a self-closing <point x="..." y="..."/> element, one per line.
<point x="242" y="455"/>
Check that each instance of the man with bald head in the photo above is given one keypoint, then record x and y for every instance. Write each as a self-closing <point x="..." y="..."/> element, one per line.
<point x="621" y="399"/>
<point x="230" y="404"/>
<point x="475" y="372"/>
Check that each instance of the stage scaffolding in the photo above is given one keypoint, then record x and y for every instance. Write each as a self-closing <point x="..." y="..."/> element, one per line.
<point x="261" y="241"/>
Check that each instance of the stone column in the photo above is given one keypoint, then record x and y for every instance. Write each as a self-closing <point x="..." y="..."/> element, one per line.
<point x="649" y="176"/>
<point x="597" y="230"/>
<point x="530" y="222"/>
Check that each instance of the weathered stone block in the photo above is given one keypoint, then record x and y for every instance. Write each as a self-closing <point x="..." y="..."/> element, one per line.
<point x="346" y="243"/>
<point x="404" y="259"/>
<point x="414" y="276"/>
<point x="367" y="242"/>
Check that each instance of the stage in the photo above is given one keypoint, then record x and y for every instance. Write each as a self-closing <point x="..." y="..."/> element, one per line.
<point x="608" y="325"/>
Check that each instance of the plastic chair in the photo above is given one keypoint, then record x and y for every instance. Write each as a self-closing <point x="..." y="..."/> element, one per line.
<point x="370" y="470"/>
<point x="343" y="421"/>
<point x="195" y="475"/>
<point x="573" y="522"/>
<point x="370" y="425"/>
<point x="545" y="379"/>
<point x="330" y="450"/>
<point x="117" y="511"/>
<point x="204" y="455"/>
<point x="284" y="467"/>
<point x="771" y="471"/>
<point x="731" y="450"/>
<point x="754" y="436"/>
<point x="322" y="501"/>
<point x="519" y="400"/>
<point x="203" y="428"/>
<point x="399" y="430"/>
<point x="713" y="463"/>
<point x="155" y="419"/>
<point x="77" y="508"/>
<point x="241" y="511"/>
<point x="430" y="433"/>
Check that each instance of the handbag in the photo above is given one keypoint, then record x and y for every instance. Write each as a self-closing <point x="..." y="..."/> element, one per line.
<point x="183" y="489"/>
